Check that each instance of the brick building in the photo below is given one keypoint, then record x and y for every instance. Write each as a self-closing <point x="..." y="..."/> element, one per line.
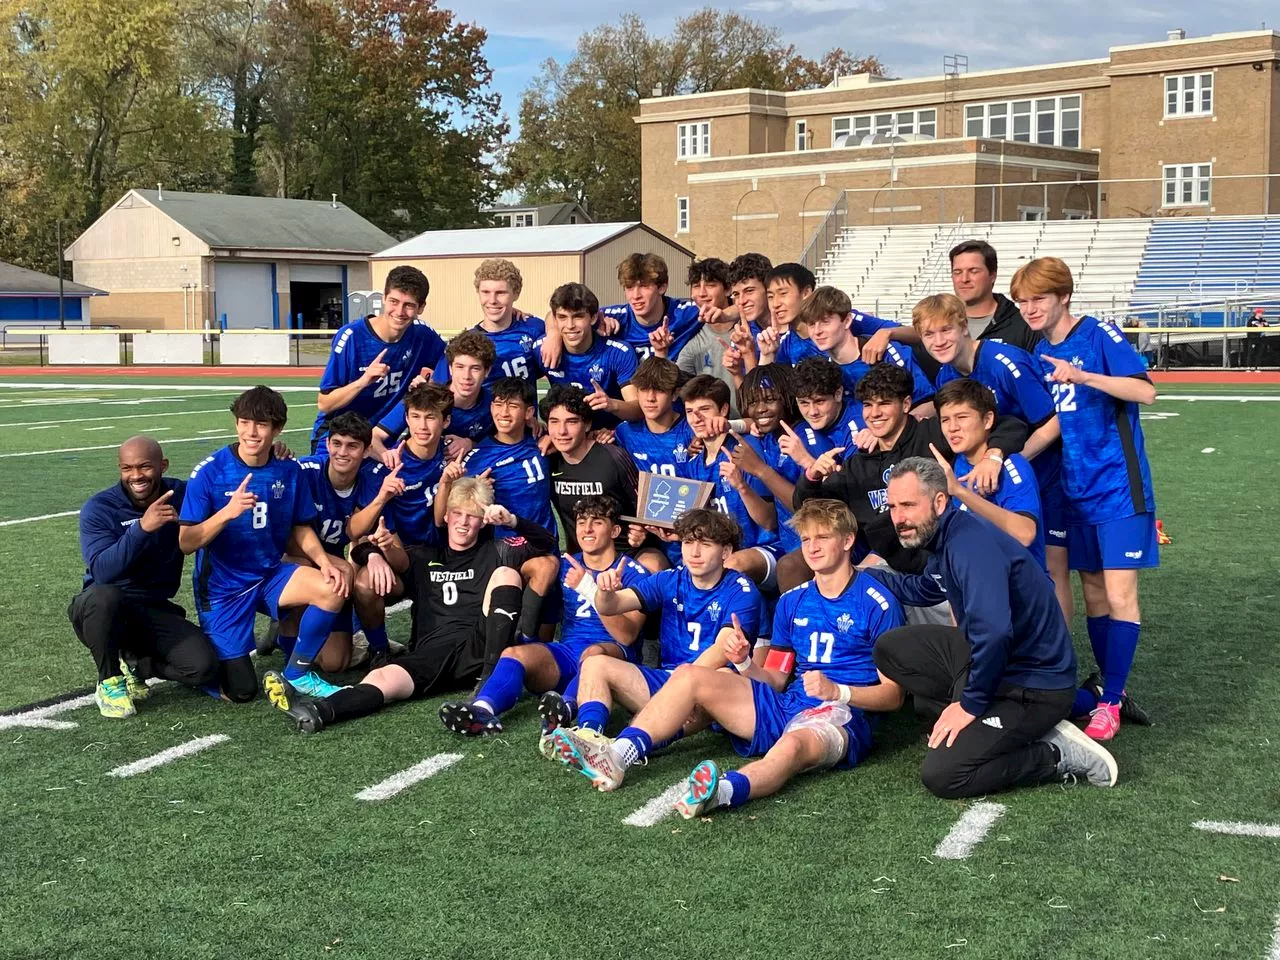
<point x="1182" y="127"/>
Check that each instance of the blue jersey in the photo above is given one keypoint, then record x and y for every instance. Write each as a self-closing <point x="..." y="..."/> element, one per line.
<point x="521" y="480"/>
<point x="693" y="618"/>
<point x="1014" y="377"/>
<point x="726" y="499"/>
<point x="792" y="348"/>
<point x="412" y="514"/>
<point x="474" y="423"/>
<point x="921" y="390"/>
<point x="771" y="453"/>
<point x="846" y="425"/>
<point x="1105" y="474"/>
<point x="1018" y="492"/>
<point x="683" y="320"/>
<point x="334" y="507"/>
<point x="580" y="625"/>
<point x="836" y="635"/>
<point x="610" y="363"/>
<point x="513" y="345"/>
<point x="664" y="453"/>
<point x="252" y="545"/>
<point x="356" y="346"/>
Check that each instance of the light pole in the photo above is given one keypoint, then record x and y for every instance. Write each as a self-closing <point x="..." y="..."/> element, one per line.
<point x="62" y="310"/>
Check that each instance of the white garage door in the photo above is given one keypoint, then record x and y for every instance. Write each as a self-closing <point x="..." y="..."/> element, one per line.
<point x="243" y="292"/>
<point x="315" y="273"/>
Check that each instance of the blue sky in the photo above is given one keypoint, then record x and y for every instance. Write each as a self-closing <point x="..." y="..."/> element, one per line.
<point x="910" y="36"/>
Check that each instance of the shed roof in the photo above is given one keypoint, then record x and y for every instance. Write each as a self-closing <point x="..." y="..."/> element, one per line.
<point x="16" y="281"/>
<point x="514" y="241"/>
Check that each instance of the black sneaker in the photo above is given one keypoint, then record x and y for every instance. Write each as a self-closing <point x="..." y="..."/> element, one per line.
<point x="267" y="642"/>
<point x="302" y="710"/>
<point x="1081" y="756"/>
<point x="554" y="711"/>
<point x="468" y="719"/>
<point x="1130" y="711"/>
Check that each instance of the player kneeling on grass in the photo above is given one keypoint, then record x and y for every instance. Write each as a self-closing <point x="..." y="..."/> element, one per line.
<point x="698" y="601"/>
<point x="244" y="507"/>
<point x="542" y="667"/>
<point x="802" y="709"/>
<point x="466" y="598"/>
<point x="125" y="611"/>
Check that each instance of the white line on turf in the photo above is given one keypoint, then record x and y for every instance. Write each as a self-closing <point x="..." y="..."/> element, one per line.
<point x="1242" y="398"/>
<point x="197" y="388"/>
<point x="39" y="717"/>
<point x="969" y="831"/>
<point x="659" y="808"/>
<point x="50" y="427"/>
<point x="43" y="516"/>
<point x="407" y="778"/>
<point x="113" y="446"/>
<point x="129" y="416"/>
<point x="1237" y="829"/>
<point x="167" y="756"/>
<point x="109" y="427"/>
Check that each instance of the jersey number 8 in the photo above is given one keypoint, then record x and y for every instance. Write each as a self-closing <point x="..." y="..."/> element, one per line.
<point x="259" y="515"/>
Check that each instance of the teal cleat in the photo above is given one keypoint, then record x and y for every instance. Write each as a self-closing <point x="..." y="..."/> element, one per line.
<point x="701" y="796"/>
<point x="311" y="684"/>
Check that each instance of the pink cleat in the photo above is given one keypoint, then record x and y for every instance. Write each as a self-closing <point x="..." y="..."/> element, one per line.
<point x="1104" y="722"/>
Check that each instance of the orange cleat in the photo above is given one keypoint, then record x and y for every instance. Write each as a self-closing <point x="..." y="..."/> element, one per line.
<point x="1162" y="538"/>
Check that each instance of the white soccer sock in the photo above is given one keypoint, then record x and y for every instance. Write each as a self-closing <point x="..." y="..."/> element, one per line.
<point x="724" y="794"/>
<point x="625" y="752"/>
<point x="483" y="705"/>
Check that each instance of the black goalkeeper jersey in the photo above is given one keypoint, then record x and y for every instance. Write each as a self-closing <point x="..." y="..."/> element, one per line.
<point x="606" y="469"/>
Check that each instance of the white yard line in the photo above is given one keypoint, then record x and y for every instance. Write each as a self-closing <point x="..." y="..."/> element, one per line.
<point x="40" y="717"/>
<point x="196" y="388"/>
<point x="1234" y="397"/>
<point x="43" y="516"/>
<point x="168" y="756"/>
<point x="92" y="429"/>
<point x="1237" y="829"/>
<point x="113" y="446"/>
<point x="659" y="808"/>
<point x="128" y="416"/>
<point x="407" y="778"/>
<point x="51" y="427"/>
<point x="969" y="831"/>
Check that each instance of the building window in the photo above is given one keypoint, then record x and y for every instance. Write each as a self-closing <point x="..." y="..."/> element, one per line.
<point x="693" y="139"/>
<point x="1187" y="184"/>
<point x="1032" y="214"/>
<point x="682" y="214"/>
<point x="525" y="219"/>
<point x="1189" y="95"/>
<point x="802" y="134"/>
<point x="905" y="123"/>
<point x="1052" y="121"/>
<point x="573" y="218"/>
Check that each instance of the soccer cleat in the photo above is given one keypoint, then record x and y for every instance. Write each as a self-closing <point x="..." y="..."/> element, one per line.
<point x="1162" y="538"/>
<point x="112" y="698"/>
<point x="554" y="711"/>
<point x="703" y="782"/>
<point x="547" y="746"/>
<point x="1104" y="722"/>
<point x="284" y="696"/>
<point x="1080" y="756"/>
<point x="138" y="689"/>
<point x="267" y="642"/>
<point x="1130" y="711"/>
<point x="311" y="684"/>
<point x="467" y="718"/>
<point x="591" y="754"/>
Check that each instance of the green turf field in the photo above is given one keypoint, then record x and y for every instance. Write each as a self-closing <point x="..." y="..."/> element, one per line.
<point x="258" y="847"/>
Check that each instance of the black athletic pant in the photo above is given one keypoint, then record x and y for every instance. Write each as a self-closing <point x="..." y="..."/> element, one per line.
<point x="999" y="750"/>
<point x="155" y="633"/>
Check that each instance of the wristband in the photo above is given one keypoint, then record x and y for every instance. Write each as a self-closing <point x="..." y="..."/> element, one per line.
<point x="994" y="456"/>
<point x="846" y="693"/>
<point x="744" y="666"/>
<point x="587" y="589"/>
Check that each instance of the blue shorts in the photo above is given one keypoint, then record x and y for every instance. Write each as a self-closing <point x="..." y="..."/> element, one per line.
<point x="228" y="623"/>
<point x="568" y="656"/>
<point x="1125" y="544"/>
<point x="1053" y="515"/>
<point x="654" y="677"/>
<point x="775" y="710"/>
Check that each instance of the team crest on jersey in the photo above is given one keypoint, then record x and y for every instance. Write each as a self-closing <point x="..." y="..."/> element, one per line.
<point x="680" y="453"/>
<point x="844" y="623"/>
<point x="713" y="608"/>
<point x="526" y="341"/>
<point x="277" y="489"/>
<point x="407" y="354"/>
<point x="884" y="477"/>
<point x="596" y="371"/>
<point x="1076" y="361"/>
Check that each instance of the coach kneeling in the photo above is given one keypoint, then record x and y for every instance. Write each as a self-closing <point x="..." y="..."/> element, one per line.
<point x="133" y="566"/>
<point x="1000" y="684"/>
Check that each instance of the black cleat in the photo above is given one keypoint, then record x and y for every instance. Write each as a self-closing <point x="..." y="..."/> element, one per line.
<point x="1130" y="711"/>
<point x="468" y="719"/>
<point x="302" y="710"/>
<point x="554" y="711"/>
<point x="267" y="642"/>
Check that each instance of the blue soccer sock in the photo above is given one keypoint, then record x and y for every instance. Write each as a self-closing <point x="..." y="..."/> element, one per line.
<point x="663" y="744"/>
<point x="739" y="789"/>
<point x="1098" y="628"/>
<point x="632" y="745"/>
<point x="377" y="637"/>
<point x="286" y="644"/>
<point x="1085" y="701"/>
<point x="1122" y="644"/>
<point x="570" y="695"/>
<point x="313" y="631"/>
<point x="593" y="715"/>
<point x="501" y="691"/>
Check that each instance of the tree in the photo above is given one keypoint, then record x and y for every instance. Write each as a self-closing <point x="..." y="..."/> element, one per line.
<point x="578" y="140"/>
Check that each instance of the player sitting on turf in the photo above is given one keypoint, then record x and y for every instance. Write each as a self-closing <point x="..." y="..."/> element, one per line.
<point x="697" y="601"/>
<point x="801" y="710"/>
<point x="999" y="683"/>
<point x="244" y="508"/>
<point x="1013" y="376"/>
<point x="372" y="361"/>
<point x="521" y="481"/>
<point x="133" y="566"/>
<point x="540" y="667"/>
<point x="470" y="356"/>
<point x="1098" y="380"/>
<point x="339" y="482"/>
<point x="466" y="596"/>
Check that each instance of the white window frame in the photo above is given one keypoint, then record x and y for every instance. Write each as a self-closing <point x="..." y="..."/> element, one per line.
<point x="895" y="123"/>
<point x="1197" y="87"/>
<point x="529" y="219"/>
<point x="1000" y="119"/>
<point x="1191" y="185"/>
<point x="802" y="135"/>
<point x="682" y="214"/>
<point x="1038" y="212"/>
<point x="693" y="140"/>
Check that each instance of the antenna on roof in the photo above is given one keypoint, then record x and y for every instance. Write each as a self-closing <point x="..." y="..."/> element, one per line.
<point x="159" y="192"/>
<point x="333" y="200"/>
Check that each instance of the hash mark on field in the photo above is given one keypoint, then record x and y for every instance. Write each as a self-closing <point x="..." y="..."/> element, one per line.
<point x="91" y="429"/>
<point x="1237" y="829"/>
<point x="43" y="516"/>
<point x="166" y="756"/>
<point x="969" y="831"/>
<point x="659" y="808"/>
<point x="39" y="717"/>
<point x="53" y="426"/>
<point x="407" y="778"/>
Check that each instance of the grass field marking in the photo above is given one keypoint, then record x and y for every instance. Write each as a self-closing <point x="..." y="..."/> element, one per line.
<point x="969" y="831"/>
<point x="167" y="756"/>
<point x="114" y="446"/>
<point x="407" y="778"/>
<point x="110" y="427"/>
<point x="1234" y="397"/>
<point x="43" y="516"/>
<point x="1237" y="829"/>
<point x="40" y="717"/>
<point x="659" y="808"/>
<point x="198" y="388"/>
<point x="127" y="416"/>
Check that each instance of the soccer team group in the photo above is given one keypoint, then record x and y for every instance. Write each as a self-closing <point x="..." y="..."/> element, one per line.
<point x="892" y="510"/>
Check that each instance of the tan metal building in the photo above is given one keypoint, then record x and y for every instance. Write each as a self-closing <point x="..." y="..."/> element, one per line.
<point x="173" y="260"/>
<point x="1179" y="127"/>
<point x="546" y="257"/>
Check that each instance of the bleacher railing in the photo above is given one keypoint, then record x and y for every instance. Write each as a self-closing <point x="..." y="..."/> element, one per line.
<point x="825" y="233"/>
